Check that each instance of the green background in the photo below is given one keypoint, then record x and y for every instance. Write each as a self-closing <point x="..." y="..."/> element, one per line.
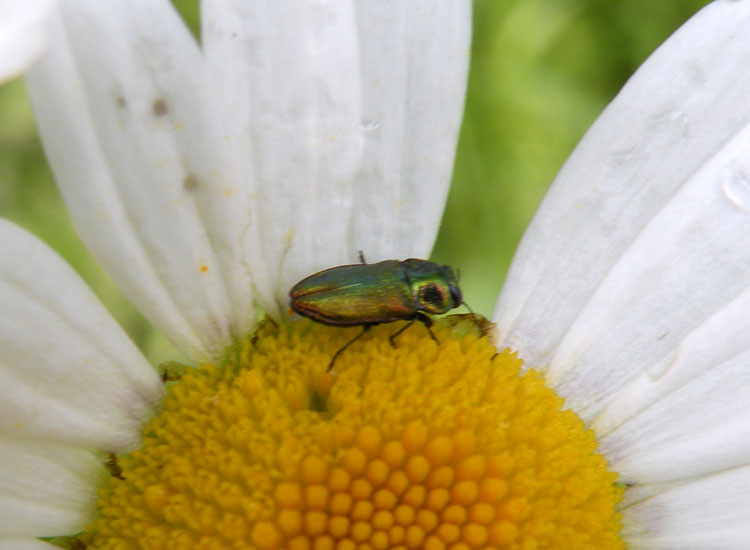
<point x="542" y="70"/>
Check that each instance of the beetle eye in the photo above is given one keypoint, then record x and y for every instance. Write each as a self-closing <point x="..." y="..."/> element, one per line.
<point x="431" y="297"/>
<point x="456" y="295"/>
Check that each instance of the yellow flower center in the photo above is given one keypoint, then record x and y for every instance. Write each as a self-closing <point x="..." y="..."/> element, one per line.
<point x="420" y="446"/>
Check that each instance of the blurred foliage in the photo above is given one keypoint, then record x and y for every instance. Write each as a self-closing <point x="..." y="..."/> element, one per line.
<point x="542" y="71"/>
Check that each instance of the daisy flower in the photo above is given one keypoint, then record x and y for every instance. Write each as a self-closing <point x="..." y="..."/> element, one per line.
<point x="208" y="179"/>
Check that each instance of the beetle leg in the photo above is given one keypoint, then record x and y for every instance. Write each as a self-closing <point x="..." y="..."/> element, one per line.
<point x="427" y="322"/>
<point x="393" y="336"/>
<point x="362" y="257"/>
<point x="269" y="319"/>
<point x="365" y="328"/>
<point x="418" y="316"/>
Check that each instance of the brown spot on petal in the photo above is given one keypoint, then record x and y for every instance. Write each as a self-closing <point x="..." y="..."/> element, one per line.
<point x="190" y="183"/>
<point x="159" y="108"/>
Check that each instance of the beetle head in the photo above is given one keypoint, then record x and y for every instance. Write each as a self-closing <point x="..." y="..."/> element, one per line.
<point x="437" y="291"/>
<point x="434" y="286"/>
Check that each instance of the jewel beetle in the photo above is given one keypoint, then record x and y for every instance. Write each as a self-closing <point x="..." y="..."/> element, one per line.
<point x="371" y="294"/>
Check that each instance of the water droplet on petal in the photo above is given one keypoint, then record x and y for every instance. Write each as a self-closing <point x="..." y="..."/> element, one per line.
<point x="622" y="156"/>
<point x="369" y="125"/>
<point x="735" y="183"/>
<point x="673" y="119"/>
<point x="617" y="176"/>
<point x="667" y="364"/>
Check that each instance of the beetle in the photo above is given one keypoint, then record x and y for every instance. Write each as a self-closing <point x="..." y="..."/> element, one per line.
<point x="371" y="294"/>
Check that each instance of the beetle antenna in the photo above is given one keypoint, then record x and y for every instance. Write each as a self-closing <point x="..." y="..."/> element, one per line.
<point x="474" y="317"/>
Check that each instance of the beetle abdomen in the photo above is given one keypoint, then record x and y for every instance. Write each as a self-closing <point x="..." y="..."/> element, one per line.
<point x="355" y="295"/>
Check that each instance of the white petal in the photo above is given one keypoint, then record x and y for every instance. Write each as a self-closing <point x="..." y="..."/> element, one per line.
<point x="342" y="120"/>
<point x="643" y="236"/>
<point x="688" y="415"/>
<point x="288" y="73"/>
<point x="67" y="371"/>
<point x="46" y="489"/>
<point x="25" y="544"/>
<point x="120" y="104"/>
<point x="23" y="34"/>
<point x="415" y="58"/>
<point x="709" y="512"/>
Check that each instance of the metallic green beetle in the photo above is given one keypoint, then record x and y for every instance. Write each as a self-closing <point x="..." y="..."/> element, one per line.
<point x="371" y="294"/>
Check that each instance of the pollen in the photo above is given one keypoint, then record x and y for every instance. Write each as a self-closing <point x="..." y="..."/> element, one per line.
<point x="421" y="445"/>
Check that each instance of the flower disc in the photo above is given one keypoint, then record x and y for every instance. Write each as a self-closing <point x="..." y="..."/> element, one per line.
<point x="420" y="446"/>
